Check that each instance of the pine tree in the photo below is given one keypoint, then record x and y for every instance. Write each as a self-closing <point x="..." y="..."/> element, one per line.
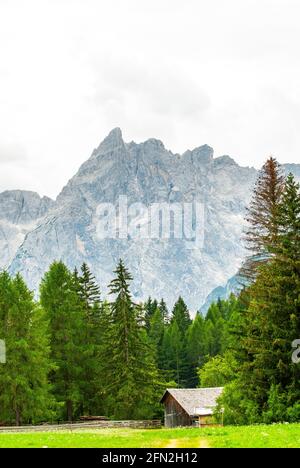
<point x="6" y="296"/>
<point x="156" y="330"/>
<point x="167" y="356"/>
<point x="150" y="309"/>
<point x="88" y="289"/>
<point x="164" y="311"/>
<point x="233" y="329"/>
<point x="177" y="353"/>
<point x="196" y="348"/>
<point x="215" y="320"/>
<point x="181" y="316"/>
<point x="174" y="356"/>
<point x="88" y="292"/>
<point x="262" y="217"/>
<point x="24" y="388"/>
<point x="179" y="324"/>
<point x="130" y="373"/>
<point x="156" y="334"/>
<point x="67" y="332"/>
<point x="288" y="244"/>
<point x="270" y="325"/>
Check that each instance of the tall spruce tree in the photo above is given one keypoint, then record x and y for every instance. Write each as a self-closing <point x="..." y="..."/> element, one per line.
<point x="262" y="217"/>
<point x="164" y="310"/>
<point x="65" y="314"/>
<point x="288" y="244"/>
<point x="88" y="289"/>
<point x="150" y="309"/>
<point x="130" y="372"/>
<point x="167" y="356"/>
<point x="215" y="324"/>
<point x="267" y="386"/>
<point x="176" y="365"/>
<point x="196" y="348"/>
<point x="24" y="388"/>
<point x="181" y="316"/>
<point x="177" y="354"/>
<point x="90" y="300"/>
<point x="156" y="334"/>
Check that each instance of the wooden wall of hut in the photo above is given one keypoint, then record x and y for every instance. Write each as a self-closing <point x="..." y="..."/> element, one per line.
<point x="174" y="414"/>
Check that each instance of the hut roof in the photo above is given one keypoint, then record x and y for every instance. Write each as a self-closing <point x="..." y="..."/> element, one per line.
<point x="195" y="401"/>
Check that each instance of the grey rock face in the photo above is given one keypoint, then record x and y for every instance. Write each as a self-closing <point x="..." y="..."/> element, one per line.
<point x="146" y="173"/>
<point x="20" y="212"/>
<point x="233" y="286"/>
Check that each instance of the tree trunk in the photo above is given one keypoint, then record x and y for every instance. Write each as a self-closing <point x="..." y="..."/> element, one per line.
<point x="18" y="417"/>
<point x="70" y="410"/>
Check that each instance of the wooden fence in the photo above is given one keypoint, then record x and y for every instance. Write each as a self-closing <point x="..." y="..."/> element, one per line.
<point x="155" y="424"/>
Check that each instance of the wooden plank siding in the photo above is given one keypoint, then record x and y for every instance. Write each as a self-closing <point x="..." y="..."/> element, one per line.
<point x="175" y="415"/>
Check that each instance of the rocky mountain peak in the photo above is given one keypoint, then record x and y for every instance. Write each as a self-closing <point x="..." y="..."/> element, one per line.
<point x="112" y="141"/>
<point x="201" y="155"/>
<point x="155" y="144"/>
<point x="147" y="173"/>
<point x="225" y="161"/>
<point x="23" y="206"/>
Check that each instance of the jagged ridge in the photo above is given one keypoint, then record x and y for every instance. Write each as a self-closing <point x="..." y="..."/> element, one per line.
<point x="147" y="173"/>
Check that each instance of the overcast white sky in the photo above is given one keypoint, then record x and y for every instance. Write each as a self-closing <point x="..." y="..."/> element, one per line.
<point x="189" y="72"/>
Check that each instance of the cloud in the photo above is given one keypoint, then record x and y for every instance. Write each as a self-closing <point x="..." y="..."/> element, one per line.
<point x="188" y="73"/>
<point x="12" y="153"/>
<point x="159" y="89"/>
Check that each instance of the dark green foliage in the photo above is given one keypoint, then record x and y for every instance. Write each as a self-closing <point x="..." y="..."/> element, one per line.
<point x="65" y="315"/>
<point x="115" y="358"/>
<point x="88" y="289"/>
<point x="174" y="354"/>
<point x="181" y="316"/>
<point x="174" y="348"/>
<point x="150" y="309"/>
<point x="112" y="359"/>
<point x="130" y="372"/>
<point x="24" y="389"/>
<point x="156" y="334"/>
<point x="164" y="311"/>
<point x="215" y="322"/>
<point x="188" y="345"/>
<point x="267" y="385"/>
<point x="196" y="348"/>
<point x="90" y="302"/>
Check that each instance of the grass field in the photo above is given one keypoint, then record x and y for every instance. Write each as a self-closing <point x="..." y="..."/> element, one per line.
<point x="281" y="435"/>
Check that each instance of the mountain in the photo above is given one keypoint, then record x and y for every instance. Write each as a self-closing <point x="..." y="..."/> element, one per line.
<point x="233" y="286"/>
<point x="145" y="173"/>
<point x="20" y="212"/>
<point x="236" y="283"/>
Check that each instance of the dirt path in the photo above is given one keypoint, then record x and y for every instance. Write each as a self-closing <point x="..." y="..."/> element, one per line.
<point x="173" y="443"/>
<point x="179" y="443"/>
<point x="204" y="444"/>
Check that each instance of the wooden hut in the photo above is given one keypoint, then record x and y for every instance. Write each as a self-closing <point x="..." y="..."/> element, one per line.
<point x="190" y="406"/>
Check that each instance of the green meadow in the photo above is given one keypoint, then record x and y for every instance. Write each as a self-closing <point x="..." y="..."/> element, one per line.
<point x="261" y="436"/>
